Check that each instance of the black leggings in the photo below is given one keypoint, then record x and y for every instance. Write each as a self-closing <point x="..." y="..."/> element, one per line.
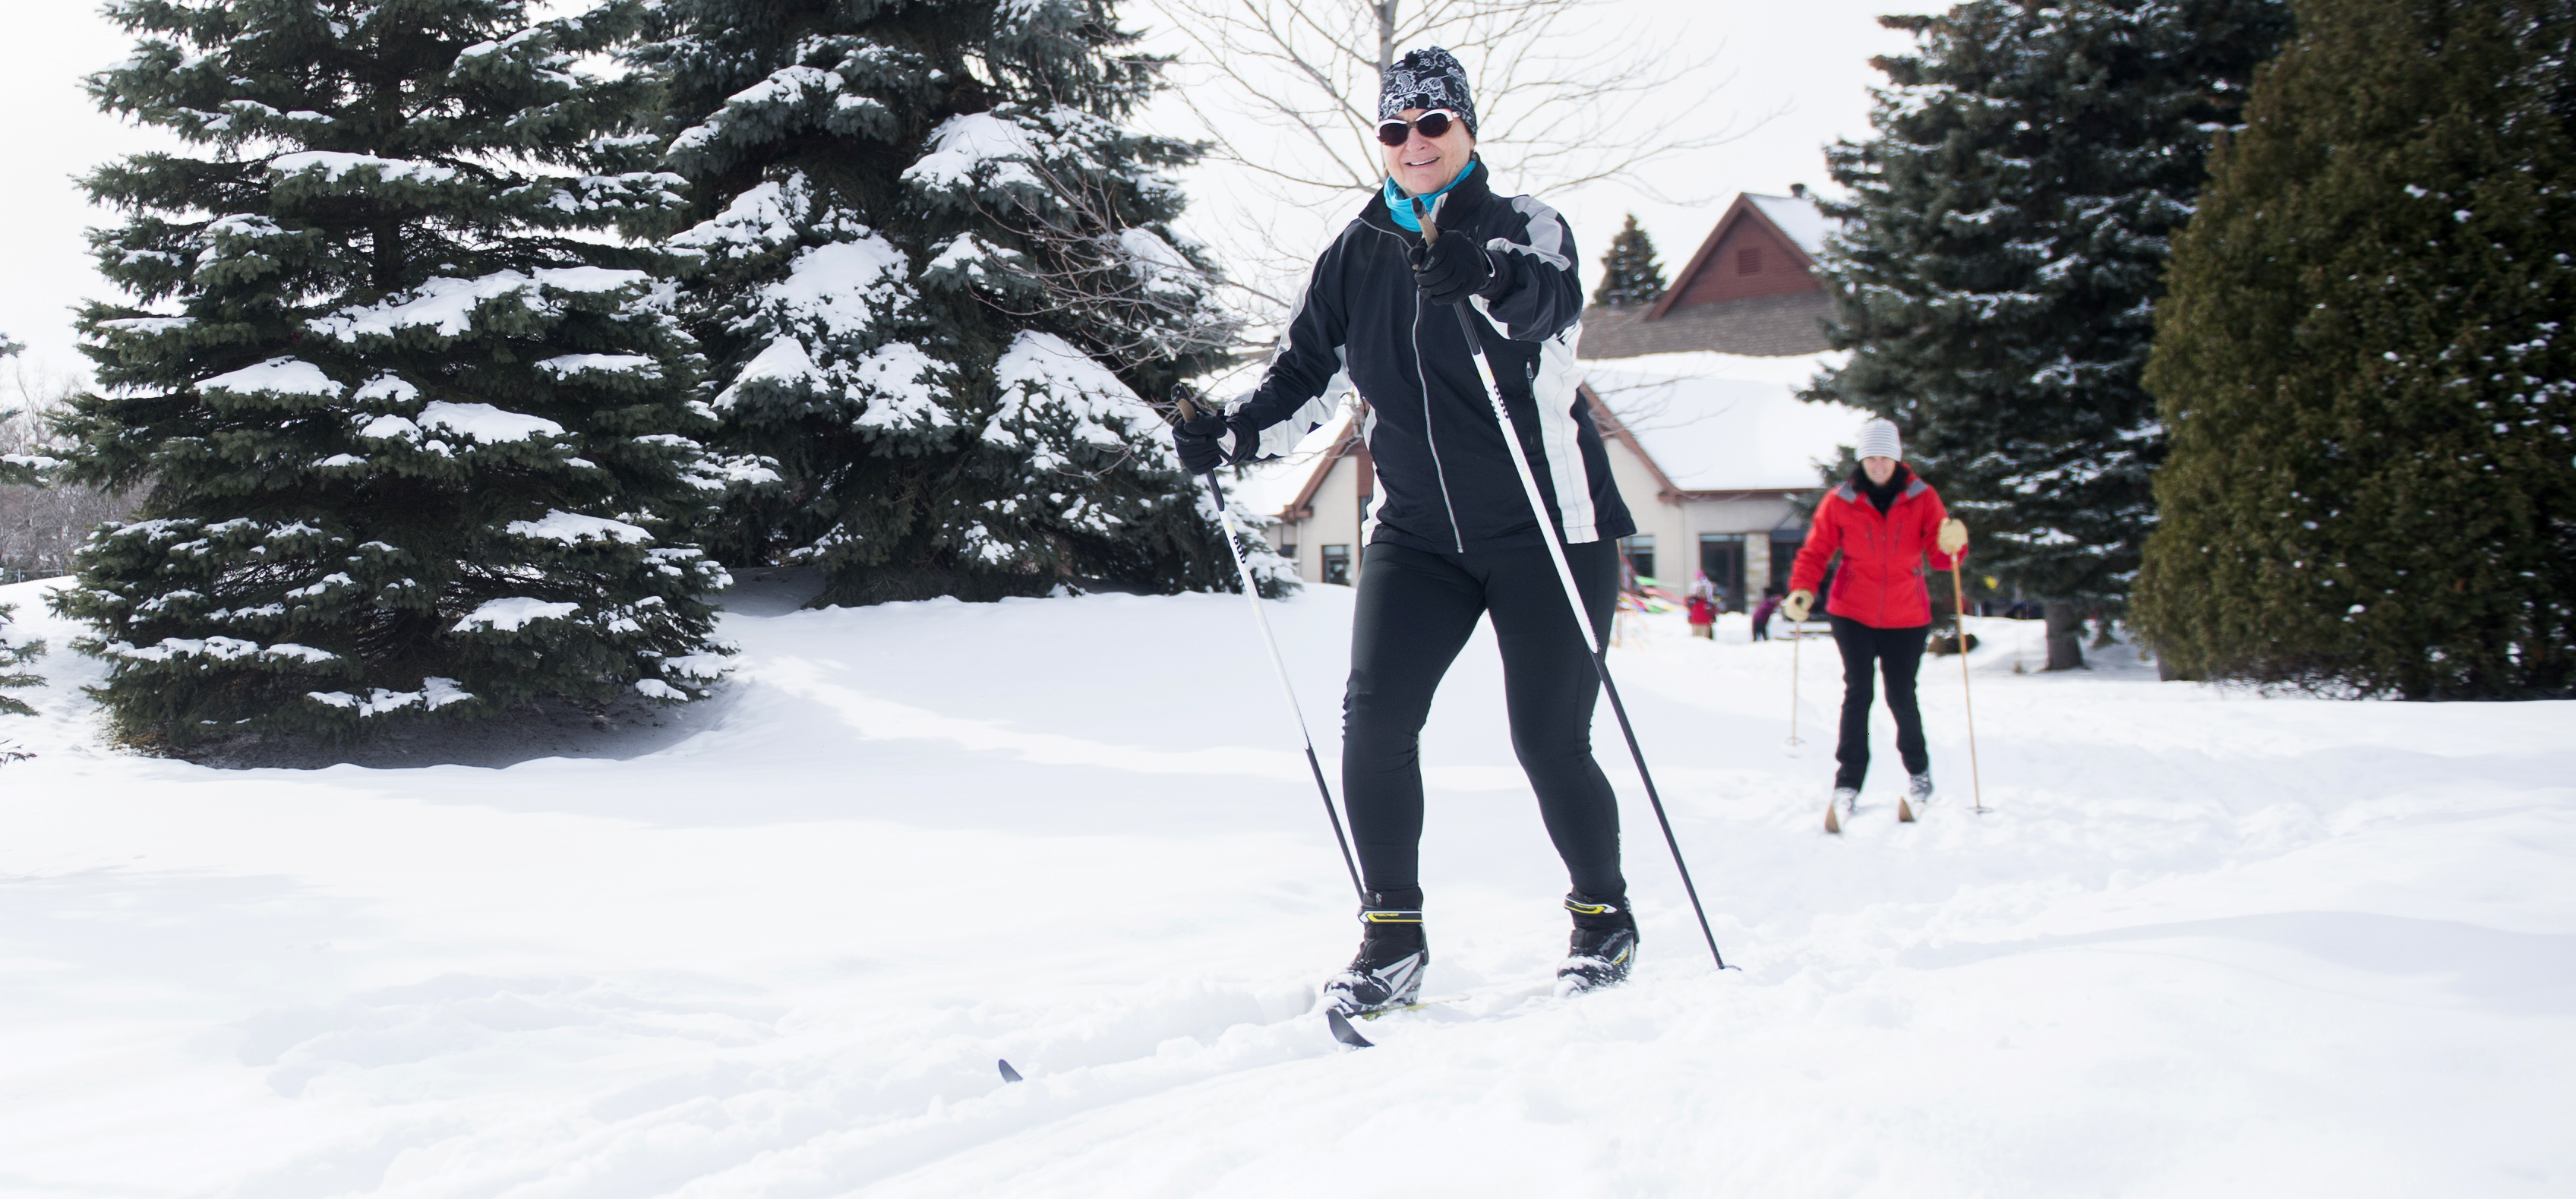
<point x="1898" y="653"/>
<point x="1416" y="610"/>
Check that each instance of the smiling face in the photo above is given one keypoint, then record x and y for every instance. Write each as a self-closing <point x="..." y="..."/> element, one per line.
<point x="1424" y="165"/>
<point x="1880" y="469"/>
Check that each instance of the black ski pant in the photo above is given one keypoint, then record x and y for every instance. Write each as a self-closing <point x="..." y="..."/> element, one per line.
<point x="1898" y="654"/>
<point x="1416" y="609"/>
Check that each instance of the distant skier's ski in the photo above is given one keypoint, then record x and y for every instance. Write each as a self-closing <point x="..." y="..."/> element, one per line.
<point x="1834" y="824"/>
<point x="1344" y="1033"/>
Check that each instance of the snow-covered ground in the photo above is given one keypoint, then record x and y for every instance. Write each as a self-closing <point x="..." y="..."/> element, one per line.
<point x="2206" y="943"/>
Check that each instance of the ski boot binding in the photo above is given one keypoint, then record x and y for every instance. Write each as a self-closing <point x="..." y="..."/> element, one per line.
<point x="1393" y="954"/>
<point x="1604" y="945"/>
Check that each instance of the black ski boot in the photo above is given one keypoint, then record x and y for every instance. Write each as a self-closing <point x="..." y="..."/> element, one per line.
<point x="1604" y="944"/>
<point x="1388" y="971"/>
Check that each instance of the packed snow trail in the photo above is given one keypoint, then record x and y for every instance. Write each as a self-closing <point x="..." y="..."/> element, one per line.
<point x="2207" y="944"/>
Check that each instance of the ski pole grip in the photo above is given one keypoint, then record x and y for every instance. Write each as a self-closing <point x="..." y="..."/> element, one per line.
<point x="1181" y="400"/>
<point x="1430" y="232"/>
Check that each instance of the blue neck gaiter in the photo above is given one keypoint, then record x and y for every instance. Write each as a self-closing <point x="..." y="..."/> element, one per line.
<point x="1401" y="205"/>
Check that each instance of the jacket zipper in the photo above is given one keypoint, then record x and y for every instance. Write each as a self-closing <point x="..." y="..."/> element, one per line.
<point x="1457" y="535"/>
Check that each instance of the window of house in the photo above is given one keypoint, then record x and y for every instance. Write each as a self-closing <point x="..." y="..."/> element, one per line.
<point x="1337" y="564"/>
<point x="1748" y="260"/>
<point x="1288" y="550"/>
<point x="1640" y="550"/>
<point x="1784" y="554"/>
<point x="1721" y="558"/>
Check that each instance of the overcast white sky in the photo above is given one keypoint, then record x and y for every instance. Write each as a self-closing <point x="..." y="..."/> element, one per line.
<point x="1810" y="57"/>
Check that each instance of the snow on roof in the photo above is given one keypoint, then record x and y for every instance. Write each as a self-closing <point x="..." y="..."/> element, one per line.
<point x="1798" y="217"/>
<point x="1724" y="422"/>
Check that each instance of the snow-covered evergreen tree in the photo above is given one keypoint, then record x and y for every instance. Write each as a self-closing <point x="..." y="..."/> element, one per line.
<point x="935" y="275"/>
<point x="1630" y="276"/>
<point x="17" y="468"/>
<point x="416" y="429"/>
<point x="17" y="649"/>
<point x="2368" y="361"/>
<point x="2001" y="253"/>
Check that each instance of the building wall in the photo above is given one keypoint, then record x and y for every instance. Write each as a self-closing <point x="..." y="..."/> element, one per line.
<point x="1674" y="524"/>
<point x="1663" y="521"/>
<point x="1335" y="520"/>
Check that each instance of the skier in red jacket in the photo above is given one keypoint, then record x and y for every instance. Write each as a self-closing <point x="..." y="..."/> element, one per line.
<point x="1885" y="522"/>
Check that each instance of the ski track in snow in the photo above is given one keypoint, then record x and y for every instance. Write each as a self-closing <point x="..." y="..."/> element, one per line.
<point x="2208" y="943"/>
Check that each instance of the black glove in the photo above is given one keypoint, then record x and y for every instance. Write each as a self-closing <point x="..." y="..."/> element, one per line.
<point x="1200" y="440"/>
<point x="1455" y="267"/>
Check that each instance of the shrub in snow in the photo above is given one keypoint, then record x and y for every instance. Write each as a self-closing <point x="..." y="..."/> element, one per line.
<point x="2367" y="364"/>
<point x="417" y="432"/>
<point x="2000" y="255"/>
<point x="936" y="277"/>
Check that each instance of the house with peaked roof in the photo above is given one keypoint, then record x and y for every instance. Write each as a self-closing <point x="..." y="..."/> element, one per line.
<point x="1696" y="398"/>
<point x="1751" y="289"/>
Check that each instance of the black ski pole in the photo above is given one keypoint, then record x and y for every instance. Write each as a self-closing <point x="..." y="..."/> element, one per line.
<point x="1573" y="593"/>
<point x="1252" y="593"/>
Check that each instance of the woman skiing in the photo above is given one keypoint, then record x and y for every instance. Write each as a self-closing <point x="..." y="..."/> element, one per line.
<point x="1452" y="535"/>
<point x="1885" y="522"/>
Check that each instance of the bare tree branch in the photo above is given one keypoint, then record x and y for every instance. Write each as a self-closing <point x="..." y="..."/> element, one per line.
<point x="1286" y="90"/>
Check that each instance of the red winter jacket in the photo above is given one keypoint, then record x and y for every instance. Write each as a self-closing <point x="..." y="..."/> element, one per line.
<point x="1880" y="582"/>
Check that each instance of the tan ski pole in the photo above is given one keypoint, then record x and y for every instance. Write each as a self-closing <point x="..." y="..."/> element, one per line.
<point x="1794" y="639"/>
<point x="1797" y="638"/>
<point x="1967" y="699"/>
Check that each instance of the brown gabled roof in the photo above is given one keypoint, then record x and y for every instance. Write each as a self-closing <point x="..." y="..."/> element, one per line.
<point x="1744" y="209"/>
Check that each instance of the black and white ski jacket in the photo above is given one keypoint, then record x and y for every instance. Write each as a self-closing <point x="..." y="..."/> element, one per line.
<point x="1445" y="477"/>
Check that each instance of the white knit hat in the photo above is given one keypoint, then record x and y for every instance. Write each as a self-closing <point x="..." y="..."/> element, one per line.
<point x="1878" y="439"/>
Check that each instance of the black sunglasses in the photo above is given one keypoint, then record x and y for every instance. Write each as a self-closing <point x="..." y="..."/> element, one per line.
<point x="1433" y="124"/>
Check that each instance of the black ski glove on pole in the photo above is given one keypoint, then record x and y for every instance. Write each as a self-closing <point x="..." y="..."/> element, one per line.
<point x="1454" y="268"/>
<point x="1200" y="441"/>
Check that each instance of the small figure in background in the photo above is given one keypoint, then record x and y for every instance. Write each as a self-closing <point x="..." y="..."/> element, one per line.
<point x="1762" y="614"/>
<point x="1703" y="607"/>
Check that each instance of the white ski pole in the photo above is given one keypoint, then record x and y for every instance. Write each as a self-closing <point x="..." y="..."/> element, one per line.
<point x="1573" y="594"/>
<point x="1252" y="593"/>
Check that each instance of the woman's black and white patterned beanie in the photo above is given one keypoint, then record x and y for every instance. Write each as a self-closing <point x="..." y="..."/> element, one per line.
<point x="1427" y="78"/>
